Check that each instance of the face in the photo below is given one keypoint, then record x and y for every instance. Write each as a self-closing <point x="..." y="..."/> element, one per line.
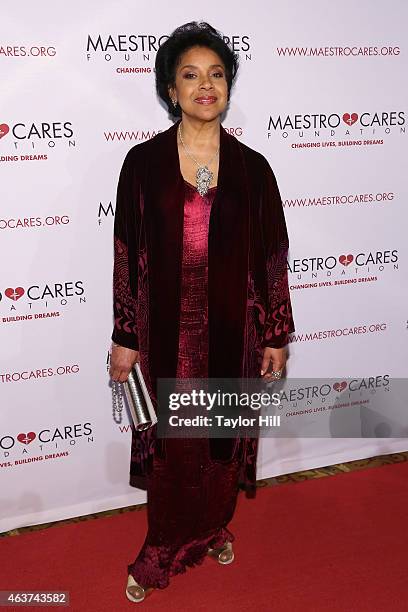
<point x="201" y="87"/>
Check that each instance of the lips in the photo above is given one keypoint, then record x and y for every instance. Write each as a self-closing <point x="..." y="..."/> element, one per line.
<point x="206" y="99"/>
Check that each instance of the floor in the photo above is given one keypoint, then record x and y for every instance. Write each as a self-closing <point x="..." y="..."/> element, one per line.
<point x="322" y="472"/>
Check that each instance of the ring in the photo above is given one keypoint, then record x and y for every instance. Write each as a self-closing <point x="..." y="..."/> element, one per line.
<point x="277" y="373"/>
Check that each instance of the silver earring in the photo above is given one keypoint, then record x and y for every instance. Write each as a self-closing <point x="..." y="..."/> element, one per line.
<point x="174" y="103"/>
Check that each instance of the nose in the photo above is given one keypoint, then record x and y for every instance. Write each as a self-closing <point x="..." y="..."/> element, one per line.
<point x="206" y="83"/>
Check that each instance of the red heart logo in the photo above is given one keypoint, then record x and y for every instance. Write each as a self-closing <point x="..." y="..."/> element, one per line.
<point x="4" y="129"/>
<point x="340" y="386"/>
<point x="14" y="294"/>
<point x="346" y="259"/>
<point x="26" y="438"/>
<point x="350" y="119"/>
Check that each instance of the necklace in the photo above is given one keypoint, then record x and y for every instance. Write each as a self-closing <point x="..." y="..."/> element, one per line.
<point x="204" y="175"/>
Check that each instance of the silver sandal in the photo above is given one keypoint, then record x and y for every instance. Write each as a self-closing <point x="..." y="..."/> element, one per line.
<point x="224" y="554"/>
<point x="135" y="592"/>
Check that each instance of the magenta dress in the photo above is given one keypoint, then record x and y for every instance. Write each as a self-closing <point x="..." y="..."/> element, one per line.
<point x="191" y="497"/>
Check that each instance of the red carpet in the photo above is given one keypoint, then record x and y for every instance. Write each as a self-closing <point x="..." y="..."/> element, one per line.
<point x="339" y="543"/>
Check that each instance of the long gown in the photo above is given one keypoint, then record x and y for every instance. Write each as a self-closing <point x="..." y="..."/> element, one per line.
<point x="191" y="497"/>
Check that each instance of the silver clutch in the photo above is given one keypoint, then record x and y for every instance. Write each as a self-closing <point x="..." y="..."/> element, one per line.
<point x="138" y="399"/>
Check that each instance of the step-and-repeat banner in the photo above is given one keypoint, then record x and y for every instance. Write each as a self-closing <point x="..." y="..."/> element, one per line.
<point x="322" y="93"/>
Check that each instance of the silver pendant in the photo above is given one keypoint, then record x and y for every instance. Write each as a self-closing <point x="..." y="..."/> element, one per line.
<point x="204" y="177"/>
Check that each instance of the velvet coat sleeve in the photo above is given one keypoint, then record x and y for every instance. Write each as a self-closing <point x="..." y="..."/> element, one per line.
<point x="125" y="234"/>
<point x="278" y="320"/>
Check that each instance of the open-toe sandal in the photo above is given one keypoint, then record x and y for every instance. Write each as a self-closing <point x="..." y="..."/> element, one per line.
<point x="224" y="554"/>
<point x="135" y="592"/>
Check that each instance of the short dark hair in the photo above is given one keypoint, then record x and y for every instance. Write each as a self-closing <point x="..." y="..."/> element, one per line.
<point x="184" y="37"/>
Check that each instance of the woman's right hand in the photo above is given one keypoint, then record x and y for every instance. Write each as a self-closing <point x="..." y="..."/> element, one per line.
<point x="121" y="362"/>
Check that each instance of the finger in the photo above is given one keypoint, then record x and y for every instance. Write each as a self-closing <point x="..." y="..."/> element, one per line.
<point x="265" y="364"/>
<point x="119" y="374"/>
<point x="278" y="365"/>
<point x="114" y="374"/>
<point x="278" y="361"/>
<point x="276" y="369"/>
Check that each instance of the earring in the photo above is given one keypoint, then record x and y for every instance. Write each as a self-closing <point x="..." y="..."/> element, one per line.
<point x="174" y="103"/>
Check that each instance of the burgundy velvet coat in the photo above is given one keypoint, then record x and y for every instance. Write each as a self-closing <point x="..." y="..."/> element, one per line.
<point x="249" y="305"/>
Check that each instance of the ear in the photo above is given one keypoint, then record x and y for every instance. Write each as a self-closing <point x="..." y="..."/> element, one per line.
<point x="172" y="93"/>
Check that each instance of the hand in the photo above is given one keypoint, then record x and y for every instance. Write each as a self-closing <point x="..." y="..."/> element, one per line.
<point x="275" y="357"/>
<point x="121" y="362"/>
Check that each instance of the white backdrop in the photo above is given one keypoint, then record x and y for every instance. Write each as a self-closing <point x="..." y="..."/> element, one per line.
<point x="77" y="92"/>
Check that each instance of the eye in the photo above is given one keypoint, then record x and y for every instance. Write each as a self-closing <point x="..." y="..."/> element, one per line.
<point x="218" y="74"/>
<point x="188" y="75"/>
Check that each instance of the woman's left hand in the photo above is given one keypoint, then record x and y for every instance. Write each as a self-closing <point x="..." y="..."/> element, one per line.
<point x="275" y="357"/>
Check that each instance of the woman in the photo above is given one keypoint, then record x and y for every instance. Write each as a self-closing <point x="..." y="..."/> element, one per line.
<point x="200" y="290"/>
